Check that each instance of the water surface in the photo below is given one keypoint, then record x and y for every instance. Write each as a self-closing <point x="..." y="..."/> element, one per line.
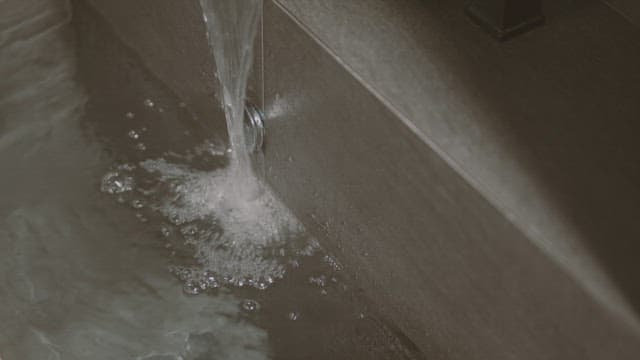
<point x="93" y="264"/>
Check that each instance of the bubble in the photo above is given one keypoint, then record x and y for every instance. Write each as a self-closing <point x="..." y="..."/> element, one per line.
<point x="126" y="167"/>
<point x="175" y="219"/>
<point x="165" y="231"/>
<point x="116" y="183"/>
<point x="319" y="281"/>
<point x="141" y="218"/>
<point x="191" y="288"/>
<point x="311" y="248"/>
<point x="294" y="315"/>
<point x="130" y="115"/>
<point x="250" y="305"/>
<point x="181" y="273"/>
<point x="149" y="103"/>
<point x="263" y="284"/>
<point x="141" y="146"/>
<point x="182" y="104"/>
<point x="137" y="204"/>
<point x="211" y="281"/>
<point x="333" y="262"/>
<point x="133" y="135"/>
<point x="189" y="230"/>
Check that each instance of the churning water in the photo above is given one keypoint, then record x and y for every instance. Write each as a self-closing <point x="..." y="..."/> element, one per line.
<point x="115" y="211"/>
<point x="240" y="233"/>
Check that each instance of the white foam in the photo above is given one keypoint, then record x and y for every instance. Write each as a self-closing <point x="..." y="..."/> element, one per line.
<point x="234" y="233"/>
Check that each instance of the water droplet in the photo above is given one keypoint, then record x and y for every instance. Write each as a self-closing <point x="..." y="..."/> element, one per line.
<point x="294" y="315"/>
<point x="130" y="115"/>
<point x="149" y="103"/>
<point x="250" y="305"/>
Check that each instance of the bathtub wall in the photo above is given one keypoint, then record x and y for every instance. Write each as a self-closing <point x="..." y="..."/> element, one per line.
<point x="629" y="8"/>
<point x="170" y="38"/>
<point x="423" y="176"/>
<point x="482" y="194"/>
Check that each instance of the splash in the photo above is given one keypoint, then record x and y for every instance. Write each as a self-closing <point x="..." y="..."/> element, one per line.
<point x="248" y="242"/>
<point x="231" y="240"/>
<point x="235" y="229"/>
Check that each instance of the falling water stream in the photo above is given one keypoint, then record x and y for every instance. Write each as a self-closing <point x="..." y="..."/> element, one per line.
<point x="128" y="232"/>
<point x="231" y="31"/>
<point x="241" y="234"/>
